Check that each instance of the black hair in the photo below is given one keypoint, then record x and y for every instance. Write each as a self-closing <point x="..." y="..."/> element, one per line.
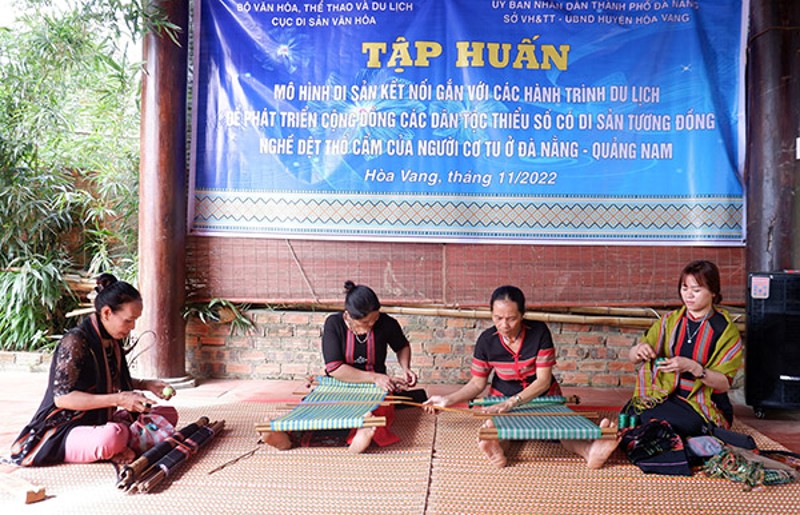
<point x="706" y="274"/>
<point x="360" y="300"/>
<point x="509" y="293"/>
<point x="113" y="293"/>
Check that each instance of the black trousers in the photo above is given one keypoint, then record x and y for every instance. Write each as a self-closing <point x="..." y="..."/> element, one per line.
<point x="679" y="413"/>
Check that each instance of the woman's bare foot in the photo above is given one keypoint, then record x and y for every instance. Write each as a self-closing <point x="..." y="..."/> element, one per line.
<point x="278" y="439"/>
<point x="361" y="440"/>
<point x="600" y="450"/>
<point x="124" y="457"/>
<point x="493" y="449"/>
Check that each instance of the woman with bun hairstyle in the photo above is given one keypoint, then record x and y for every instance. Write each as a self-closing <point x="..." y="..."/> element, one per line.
<point x="355" y="343"/>
<point x="91" y="398"/>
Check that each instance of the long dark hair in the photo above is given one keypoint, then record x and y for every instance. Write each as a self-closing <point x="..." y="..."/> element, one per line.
<point x="360" y="300"/>
<point x="706" y="274"/>
<point x="113" y="293"/>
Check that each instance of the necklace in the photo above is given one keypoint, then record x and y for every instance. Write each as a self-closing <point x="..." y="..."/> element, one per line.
<point x="361" y="338"/>
<point x="699" y="324"/>
<point x="510" y="341"/>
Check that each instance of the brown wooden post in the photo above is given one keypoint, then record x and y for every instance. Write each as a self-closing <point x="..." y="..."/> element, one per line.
<point x="773" y="118"/>
<point x="162" y="199"/>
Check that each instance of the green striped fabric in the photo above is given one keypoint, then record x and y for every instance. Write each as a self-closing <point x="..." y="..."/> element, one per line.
<point x="542" y="427"/>
<point x="349" y="403"/>
<point x="536" y="401"/>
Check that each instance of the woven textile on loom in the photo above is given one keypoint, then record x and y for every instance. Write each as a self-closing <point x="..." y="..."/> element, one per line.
<point x="536" y="401"/>
<point x="543" y="427"/>
<point x="332" y="404"/>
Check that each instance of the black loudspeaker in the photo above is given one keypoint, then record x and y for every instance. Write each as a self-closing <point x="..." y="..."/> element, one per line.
<point x="772" y="345"/>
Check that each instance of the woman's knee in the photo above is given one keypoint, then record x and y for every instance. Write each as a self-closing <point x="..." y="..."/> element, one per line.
<point x="87" y="444"/>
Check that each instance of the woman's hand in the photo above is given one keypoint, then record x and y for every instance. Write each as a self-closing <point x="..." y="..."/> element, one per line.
<point x="441" y="401"/>
<point x="501" y="407"/>
<point x="385" y="382"/>
<point x="134" y="402"/>
<point x="679" y="365"/>
<point x="410" y="378"/>
<point x="642" y="352"/>
<point x="159" y="388"/>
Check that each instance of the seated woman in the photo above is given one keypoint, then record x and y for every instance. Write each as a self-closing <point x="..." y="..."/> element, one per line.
<point x="355" y="343"/>
<point x="522" y="356"/>
<point x="699" y="351"/>
<point x="90" y="397"/>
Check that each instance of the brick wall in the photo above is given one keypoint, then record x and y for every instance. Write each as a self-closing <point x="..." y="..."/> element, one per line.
<point x="286" y="345"/>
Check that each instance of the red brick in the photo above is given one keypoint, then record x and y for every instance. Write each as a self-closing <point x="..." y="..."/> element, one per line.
<point x="195" y="326"/>
<point x="573" y="352"/>
<point x="468" y="323"/>
<point x="620" y="341"/>
<point x="628" y="380"/>
<point x="592" y="366"/>
<point x="267" y="317"/>
<point x="569" y="364"/>
<point x="575" y="328"/>
<point x="438" y="348"/>
<point x="605" y="380"/>
<point x="212" y="340"/>
<point x="295" y="369"/>
<point x="591" y="339"/>
<point x="296" y="318"/>
<point x="239" y="342"/>
<point x="564" y="339"/>
<point x="252" y="355"/>
<point x="575" y="379"/>
<point x="239" y="368"/>
<point x="448" y="362"/>
<point x="418" y="335"/>
<point x="268" y="370"/>
<point x="626" y="367"/>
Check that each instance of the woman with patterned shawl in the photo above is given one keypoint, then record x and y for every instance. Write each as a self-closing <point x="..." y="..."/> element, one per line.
<point x="91" y="397"/>
<point x="688" y="361"/>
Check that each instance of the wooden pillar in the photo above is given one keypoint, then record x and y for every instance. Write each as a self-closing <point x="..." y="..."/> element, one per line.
<point x="162" y="199"/>
<point x="773" y="123"/>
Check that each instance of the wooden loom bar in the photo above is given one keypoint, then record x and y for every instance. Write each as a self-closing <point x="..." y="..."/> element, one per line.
<point x="490" y="433"/>
<point x="585" y="414"/>
<point x="264" y="427"/>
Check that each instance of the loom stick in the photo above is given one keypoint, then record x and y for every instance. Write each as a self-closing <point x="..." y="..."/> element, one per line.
<point x="178" y="456"/>
<point x="341" y="403"/>
<point x="490" y="433"/>
<point x="130" y="473"/>
<point x="536" y="401"/>
<point x="265" y="427"/>
<point x="437" y="408"/>
<point x="585" y="414"/>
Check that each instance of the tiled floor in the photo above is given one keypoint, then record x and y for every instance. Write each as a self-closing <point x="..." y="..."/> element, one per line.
<point x="20" y="394"/>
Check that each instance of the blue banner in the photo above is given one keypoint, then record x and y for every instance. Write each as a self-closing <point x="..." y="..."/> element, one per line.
<point x="456" y="120"/>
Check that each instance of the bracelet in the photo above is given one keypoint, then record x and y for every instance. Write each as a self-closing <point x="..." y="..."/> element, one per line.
<point x="702" y="374"/>
<point x="517" y="400"/>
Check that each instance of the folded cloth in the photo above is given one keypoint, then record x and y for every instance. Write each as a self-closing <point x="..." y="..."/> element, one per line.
<point x="703" y="446"/>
